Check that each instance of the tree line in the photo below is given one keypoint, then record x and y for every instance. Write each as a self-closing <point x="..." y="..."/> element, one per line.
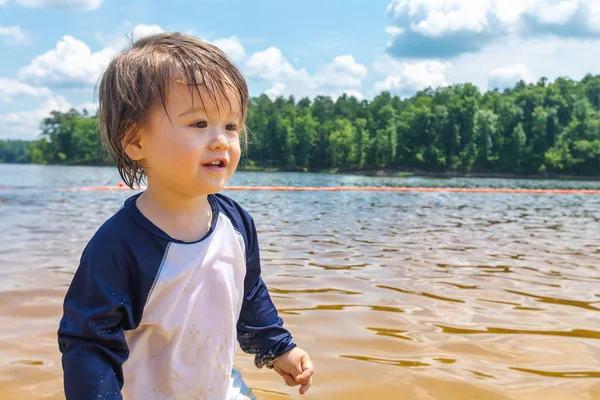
<point x="542" y="127"/>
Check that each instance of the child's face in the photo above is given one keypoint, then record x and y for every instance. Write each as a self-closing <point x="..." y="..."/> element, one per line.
<point x="197" y="151"/>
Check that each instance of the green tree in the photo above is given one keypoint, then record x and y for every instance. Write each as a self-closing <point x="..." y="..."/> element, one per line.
<point x="542" y="127"/>
<point x="486" y="123"/>
<point x="342" y="143"/>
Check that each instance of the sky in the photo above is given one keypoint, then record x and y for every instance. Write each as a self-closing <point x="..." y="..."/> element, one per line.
<point x="52" y="52"/>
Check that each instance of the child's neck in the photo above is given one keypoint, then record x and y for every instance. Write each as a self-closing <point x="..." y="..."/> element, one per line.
<point x="183" y="217"/>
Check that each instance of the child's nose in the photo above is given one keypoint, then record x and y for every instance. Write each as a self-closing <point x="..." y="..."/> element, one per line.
<point x="219" y="140"/>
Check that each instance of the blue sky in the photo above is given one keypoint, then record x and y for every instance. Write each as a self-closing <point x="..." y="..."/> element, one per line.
<point x="52" y="51"/>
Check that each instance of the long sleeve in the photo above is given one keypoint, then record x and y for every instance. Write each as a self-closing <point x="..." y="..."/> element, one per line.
<point x="260" y="329"/>
<point x="96" y="311"/>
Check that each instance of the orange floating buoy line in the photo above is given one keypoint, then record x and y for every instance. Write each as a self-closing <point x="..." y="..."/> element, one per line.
<point x="121" y="186"/>
<point x="413" y="189"/>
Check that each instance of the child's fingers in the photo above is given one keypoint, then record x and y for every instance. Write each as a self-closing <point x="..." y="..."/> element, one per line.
<point x="307" y="373"/>
<point x="304" y="377"/>
<point x="307" y="364"/>
<point x="304" y="388"/>
<point x="295" y="369"/>
<point x="289" y="379"/>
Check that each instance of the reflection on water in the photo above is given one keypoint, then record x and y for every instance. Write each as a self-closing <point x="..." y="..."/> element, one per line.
<point x="395" y="295"/>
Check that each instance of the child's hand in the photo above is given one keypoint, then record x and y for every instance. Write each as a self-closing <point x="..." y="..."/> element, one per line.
<point x="296" y="368"/>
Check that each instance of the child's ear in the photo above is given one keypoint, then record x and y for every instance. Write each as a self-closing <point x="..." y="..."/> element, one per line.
<point x="133" y="148"/>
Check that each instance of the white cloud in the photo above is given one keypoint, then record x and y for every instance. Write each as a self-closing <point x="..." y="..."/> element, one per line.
<point x="506" y="77"/>
<point x="394" y="30"/>
<point x="78" y="5"/>
<point x="25" y="125"/>
<point x="555" y="12"/>
<point x="270" y="64"/>
<point x="89" y="106"/>
<point x="404" y="79"/>
<point x="13" y="35"/>
<point x="434" y="17"/>
<point x="142" y="30"/>
<point x="232" y="47"/>
<point x="11" y="89"/>
<point x="343" y="72"/>
<point x="447" y="28"/>
<point x="70" y="64"/>
<point x="2" y="2"/>
<point x="278" y="89"/>
<point x="544" y="57"/>
<point x="342" y="75"/>
<point x="123" y="36"/>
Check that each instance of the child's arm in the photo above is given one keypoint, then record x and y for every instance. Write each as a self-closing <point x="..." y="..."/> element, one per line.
<point x="91" y="332"/>
<point x="260" y="329"/>
<point x="261" y="332"/>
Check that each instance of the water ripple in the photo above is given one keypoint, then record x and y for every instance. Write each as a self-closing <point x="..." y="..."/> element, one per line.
<point x="472" y="295"/>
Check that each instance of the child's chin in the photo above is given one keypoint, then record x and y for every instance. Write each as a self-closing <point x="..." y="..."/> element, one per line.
<point x="212" y="189"/>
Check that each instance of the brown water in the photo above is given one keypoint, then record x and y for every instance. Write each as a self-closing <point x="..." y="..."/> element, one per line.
<point x="394" y="295"/>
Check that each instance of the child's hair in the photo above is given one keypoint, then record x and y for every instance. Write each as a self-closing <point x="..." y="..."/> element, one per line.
<point x="139" y="76"/>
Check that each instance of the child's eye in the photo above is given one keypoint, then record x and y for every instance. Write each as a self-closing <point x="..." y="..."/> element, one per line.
<point x="231" y="127"/>
<point x="200" y="124"/>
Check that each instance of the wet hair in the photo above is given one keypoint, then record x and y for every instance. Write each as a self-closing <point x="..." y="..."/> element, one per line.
<point x="138" y="77"/>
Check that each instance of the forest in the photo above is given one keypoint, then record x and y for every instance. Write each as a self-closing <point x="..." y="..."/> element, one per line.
<point x="536" y="128"/>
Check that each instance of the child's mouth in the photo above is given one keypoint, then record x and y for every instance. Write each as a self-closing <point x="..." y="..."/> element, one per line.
<point x="216" y="165"/>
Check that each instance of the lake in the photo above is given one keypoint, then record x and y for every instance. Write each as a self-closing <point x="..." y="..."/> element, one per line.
<point x="396" y="295"/>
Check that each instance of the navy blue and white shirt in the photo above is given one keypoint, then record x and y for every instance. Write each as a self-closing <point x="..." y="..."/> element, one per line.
<point x="150" y="317"/>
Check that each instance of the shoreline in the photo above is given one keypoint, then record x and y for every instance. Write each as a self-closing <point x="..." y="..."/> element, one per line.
<point x="408" y="173"/>
<point x="390" y="173"/>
